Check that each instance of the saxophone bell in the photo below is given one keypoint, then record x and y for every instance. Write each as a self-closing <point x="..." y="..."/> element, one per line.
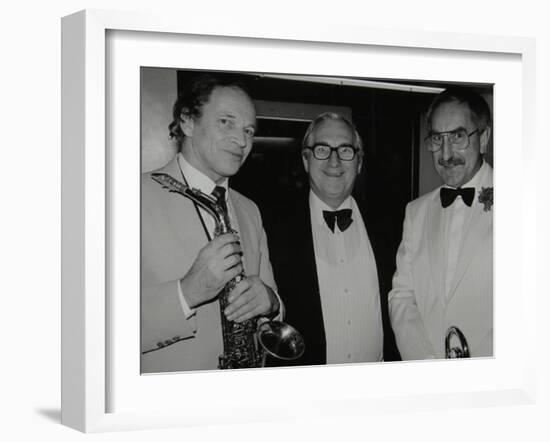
<point x="281" y="340"/>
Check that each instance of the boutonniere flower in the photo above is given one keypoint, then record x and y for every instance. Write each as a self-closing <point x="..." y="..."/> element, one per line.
<point x="485" y="197"/>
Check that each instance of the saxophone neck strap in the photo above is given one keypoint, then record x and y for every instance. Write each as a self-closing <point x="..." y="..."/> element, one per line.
<point x="199" y="214"/>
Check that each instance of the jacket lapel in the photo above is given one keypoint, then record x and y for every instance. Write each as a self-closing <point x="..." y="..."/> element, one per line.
<point x="183" y="216"/>
<point x="436" y="247"/>
<point x="311" y="306"/>
<point x="476" y="227"/>
<point x="241" y="224"/>
<point x="308" y="256"/>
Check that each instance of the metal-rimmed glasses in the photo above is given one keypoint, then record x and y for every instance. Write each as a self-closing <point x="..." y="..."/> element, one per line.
<point x="321" y="151"/>
<point x="459" y="139"/>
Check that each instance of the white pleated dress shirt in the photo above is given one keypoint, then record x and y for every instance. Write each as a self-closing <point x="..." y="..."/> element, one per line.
<point x="348" y="285"/>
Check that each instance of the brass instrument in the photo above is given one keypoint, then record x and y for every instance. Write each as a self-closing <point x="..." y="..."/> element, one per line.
<point x="276" y="338"/>
<point x="460" y="351"/>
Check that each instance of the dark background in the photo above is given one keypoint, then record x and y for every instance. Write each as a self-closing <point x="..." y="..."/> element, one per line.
<point x="390" y="123"/>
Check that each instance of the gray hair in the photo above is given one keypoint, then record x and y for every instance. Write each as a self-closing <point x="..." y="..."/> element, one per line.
<point x="333" y="116"/>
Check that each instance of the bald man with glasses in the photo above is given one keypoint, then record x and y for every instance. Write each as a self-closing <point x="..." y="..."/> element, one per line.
<point x="322" y="256"/>
<point x="442" y="289"/>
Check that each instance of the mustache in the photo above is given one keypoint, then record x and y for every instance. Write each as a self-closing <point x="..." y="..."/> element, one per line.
<point x="453" y="161"/>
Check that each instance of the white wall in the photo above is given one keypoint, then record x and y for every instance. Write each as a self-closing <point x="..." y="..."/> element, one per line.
<point x="30" y="221"/>
<point x="159" y="91"/>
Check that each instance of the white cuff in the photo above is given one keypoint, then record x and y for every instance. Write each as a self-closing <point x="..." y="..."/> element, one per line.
<point x="187" y="311"/>
<point x="280" y="316"/>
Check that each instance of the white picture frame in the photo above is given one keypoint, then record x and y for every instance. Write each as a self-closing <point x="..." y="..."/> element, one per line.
<point x="89" y="316"/>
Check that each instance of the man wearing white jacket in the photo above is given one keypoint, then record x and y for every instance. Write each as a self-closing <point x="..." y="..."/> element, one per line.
<point x="444" y="274"/>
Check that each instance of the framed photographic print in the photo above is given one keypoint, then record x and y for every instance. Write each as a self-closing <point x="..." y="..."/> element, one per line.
<point x="121" y="74"/>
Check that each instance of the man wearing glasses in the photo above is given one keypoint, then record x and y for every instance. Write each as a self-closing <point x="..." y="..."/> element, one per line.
<point x="444" y="275"/>
<point x="321" y="254"/>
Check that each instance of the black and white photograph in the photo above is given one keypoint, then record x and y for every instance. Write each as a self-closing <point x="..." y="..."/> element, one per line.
<point x="301" y="220"/>
<point x="275" y="221"/>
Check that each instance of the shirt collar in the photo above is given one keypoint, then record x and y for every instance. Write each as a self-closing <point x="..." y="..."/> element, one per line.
<point x="196" y="179"/>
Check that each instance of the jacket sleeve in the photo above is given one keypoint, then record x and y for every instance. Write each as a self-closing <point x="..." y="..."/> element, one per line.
<point x="163" y="321"/>
<point x="406" y="320"/>
<point x="163" y="318"/>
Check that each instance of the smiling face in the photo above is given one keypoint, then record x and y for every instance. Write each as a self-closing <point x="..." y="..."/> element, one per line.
<point x="331" y="179"/>
<point x="218" y="141"/>
<point x="456" y="168"/>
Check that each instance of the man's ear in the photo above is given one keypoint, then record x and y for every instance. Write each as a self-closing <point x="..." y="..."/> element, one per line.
<point x="484" y="140"/>
<point x="187" y="124"/>
<point x="305" y="159"/>
<point x="360" y="161"/>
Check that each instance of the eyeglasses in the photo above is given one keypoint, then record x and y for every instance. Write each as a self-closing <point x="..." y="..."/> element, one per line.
<point x="459" y="139"/>
<point x="346" y="152"/>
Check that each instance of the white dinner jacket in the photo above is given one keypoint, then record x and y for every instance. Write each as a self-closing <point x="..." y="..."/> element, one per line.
<point x="420" y="311"/>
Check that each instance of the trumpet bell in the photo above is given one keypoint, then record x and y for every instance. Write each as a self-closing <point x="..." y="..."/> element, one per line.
<point x="453" y="351"/>
<point x="281" y="340"/>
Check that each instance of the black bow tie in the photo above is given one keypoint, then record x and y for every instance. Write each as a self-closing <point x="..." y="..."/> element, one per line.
<point x="342" y="217"/>
<point x="448" y="195"/>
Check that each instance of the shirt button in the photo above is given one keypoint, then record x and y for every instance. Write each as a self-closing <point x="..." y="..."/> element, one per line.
<point x="345" y="290"/>
<point x="349" y="356"/>
<point x="349" y="322"/>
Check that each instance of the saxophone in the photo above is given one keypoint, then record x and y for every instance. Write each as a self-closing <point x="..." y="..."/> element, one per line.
<point x="240" y="349"/>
